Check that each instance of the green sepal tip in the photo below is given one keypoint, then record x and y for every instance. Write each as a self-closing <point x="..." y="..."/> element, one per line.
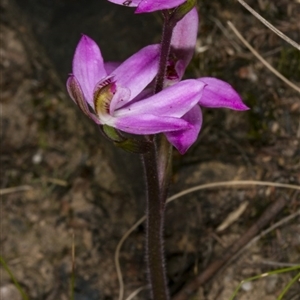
<point x="127" y="144"/>
<point x="134" y="146"/>
<point x="182" y="10"/>
<point x="113" y="134"/>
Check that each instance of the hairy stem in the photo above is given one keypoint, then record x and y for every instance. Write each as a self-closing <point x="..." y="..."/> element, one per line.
<point x="165" y="46"/>
<point x="155" y="220"/>
<point x="157" y="170"/>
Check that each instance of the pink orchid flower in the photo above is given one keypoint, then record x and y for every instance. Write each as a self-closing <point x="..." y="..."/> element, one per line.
<point x="144" y="6"/>
<point x="216" y="93"/>
<point x="115" y="98"/>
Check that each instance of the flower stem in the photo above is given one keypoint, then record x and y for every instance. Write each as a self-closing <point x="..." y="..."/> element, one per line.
<point x="155" y="222"/>
<point x="165" y="46"/>
<point x="157" y="171"/>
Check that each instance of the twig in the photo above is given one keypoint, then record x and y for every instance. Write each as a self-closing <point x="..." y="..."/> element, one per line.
<point x="211" y="270"/>
<point x="269" y="25"/>
<point x="22" y="188"/>
<point x="181" y="194"/>
<point x="265" y="232"/>
<point x="262" y="234"/>
<point x="278" y="264"/>
<point x="258" y="56"/>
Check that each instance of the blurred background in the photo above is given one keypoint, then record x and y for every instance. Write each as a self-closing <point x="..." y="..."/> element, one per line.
<point x="66" y="178"/>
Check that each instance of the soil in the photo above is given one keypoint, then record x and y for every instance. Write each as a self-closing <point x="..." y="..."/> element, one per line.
<point x="74" y="188"/>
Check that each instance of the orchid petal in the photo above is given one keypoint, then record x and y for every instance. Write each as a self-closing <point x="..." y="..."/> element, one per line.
<point x="218" y="93"/>
<point x="153" y="5"/>
<point x="149" y="124"/>
<point x="111" y="66"/>
<point x="138" y="70"/>
<point x="183" y="139"/>
<point x="77" y="96"/>
<point x="144" y="94"/>
<point x="121" y="96"/>
<point x="174" y="101"/>
<point x="149" y="5"/>
<point x="129" y="3"/>
<point x="184" y="39"/>
<point x="88" y="66"/>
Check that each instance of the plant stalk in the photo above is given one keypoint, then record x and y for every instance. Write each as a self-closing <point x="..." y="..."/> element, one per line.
<point x="157" y="172"/>
<point x="155" y="222"/>
<point x="165" y="46"/>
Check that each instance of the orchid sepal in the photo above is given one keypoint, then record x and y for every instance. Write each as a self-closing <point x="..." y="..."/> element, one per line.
<point x="182" y="140"/>
<point x="220" y="94"/>
<point x="76" y="94"/>
<point x="88" y="66"/>
<point x="183" y="43"/>
<point x="146" y="6"/>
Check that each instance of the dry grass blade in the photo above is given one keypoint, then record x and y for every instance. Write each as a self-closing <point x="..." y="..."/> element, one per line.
<point x="136" y="292"/>
<point x="266" y="64"/>
<point x="219" y="262"/>
<point x="261" y="235"/>
<point x="269" y="25"/>
<point x="117" y="254"/>
<point x="73" y="268"/>
<point x="22" y="188"/>
<point x="232" y="217"/>
<point x="57" y="181"/>
<point x="265" y="232"/>
<point x="181" y="194"/>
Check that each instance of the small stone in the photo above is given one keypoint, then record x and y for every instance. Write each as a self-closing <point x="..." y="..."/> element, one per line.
<point x="247" y="286"/>
<point x="9" y="292"/>
<point x="274" y="127"/>
<point x="37" y="158"/>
